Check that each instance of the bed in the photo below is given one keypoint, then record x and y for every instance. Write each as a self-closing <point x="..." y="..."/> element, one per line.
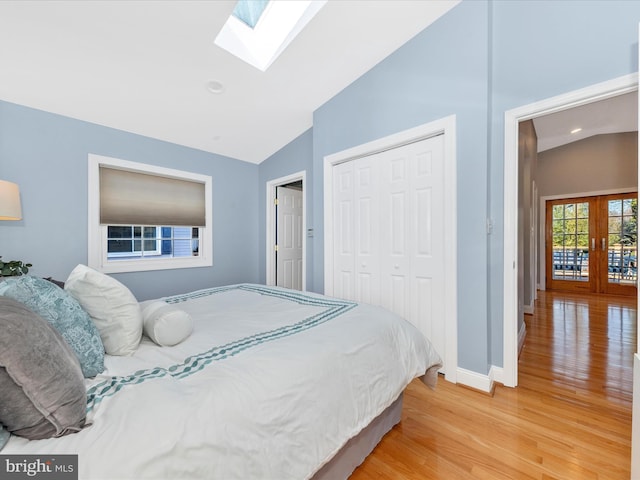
<point x="270" y="384"/>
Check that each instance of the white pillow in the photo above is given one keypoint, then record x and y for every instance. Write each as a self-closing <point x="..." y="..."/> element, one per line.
<point x="165" y="324"/>
<point x="111" y="306"/>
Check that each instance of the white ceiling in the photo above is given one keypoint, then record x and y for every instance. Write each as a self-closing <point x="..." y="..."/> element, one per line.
<point x="613" y="115"/>
<point x="143" y="66"/>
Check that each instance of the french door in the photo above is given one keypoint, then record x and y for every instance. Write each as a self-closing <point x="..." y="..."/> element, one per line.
<point x="591" y="244"/>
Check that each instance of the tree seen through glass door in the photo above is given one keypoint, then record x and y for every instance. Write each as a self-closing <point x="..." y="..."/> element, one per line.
<point x="571" y="241"/>
<point x="622" y="232"/>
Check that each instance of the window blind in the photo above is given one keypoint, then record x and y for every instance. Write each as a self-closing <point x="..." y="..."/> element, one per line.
<point x="134" y="198"/>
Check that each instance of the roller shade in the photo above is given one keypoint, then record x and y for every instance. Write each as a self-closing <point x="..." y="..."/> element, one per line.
<point x="134" y="198"/>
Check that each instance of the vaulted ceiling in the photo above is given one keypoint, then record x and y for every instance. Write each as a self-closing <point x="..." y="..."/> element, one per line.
<point x="144" y="66"/>
<point x="613" y="115"/>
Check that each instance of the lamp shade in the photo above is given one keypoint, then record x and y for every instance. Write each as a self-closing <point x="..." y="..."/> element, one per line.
<point x="9" y="201"/>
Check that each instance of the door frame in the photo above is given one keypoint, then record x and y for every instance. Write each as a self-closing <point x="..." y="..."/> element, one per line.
<point x="447" y="127"/>
<point x="271" y="226"/>
<point x="576" y="98"/>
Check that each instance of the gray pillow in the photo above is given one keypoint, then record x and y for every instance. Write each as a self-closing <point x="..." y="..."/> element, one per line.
<point x="65" y="314"/>
<point x="42" y="392"/>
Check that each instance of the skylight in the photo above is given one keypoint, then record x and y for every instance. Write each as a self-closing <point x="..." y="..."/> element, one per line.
<point x="249" y="11"/>
<point x="258" y="31"/>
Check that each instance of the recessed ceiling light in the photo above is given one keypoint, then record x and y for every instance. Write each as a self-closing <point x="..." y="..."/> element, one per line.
<point x="576" y="130"/>
<point x="215" y="86"/>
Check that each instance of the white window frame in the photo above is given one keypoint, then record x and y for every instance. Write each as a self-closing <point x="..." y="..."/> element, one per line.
<point x="134" y="251"/>
<point x="97" y="235"/>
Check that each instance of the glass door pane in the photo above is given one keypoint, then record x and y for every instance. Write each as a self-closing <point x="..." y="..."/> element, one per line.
<point x="622" y="238"/>
<point x="570" y="241"/>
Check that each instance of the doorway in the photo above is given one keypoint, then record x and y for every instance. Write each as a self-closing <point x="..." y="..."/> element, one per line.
<point x="609" y="89"/>
<point x="288" y="248"/>
<point x="591" y="244"/>
<point x="286" y="220"/>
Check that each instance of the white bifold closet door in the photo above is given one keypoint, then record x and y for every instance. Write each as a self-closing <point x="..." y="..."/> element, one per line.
<point x="389" y="233"/>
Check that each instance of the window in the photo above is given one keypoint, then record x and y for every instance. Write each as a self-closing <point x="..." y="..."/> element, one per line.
<point x="132" y="241"/>
<point x="250" y="11"/>
<point x="258" y="31"/>
<point x="138" y="241"/>
<point x="143" y="217"/>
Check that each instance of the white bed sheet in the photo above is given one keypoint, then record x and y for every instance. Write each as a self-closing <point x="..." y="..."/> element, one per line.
<point x="271" y="385"/>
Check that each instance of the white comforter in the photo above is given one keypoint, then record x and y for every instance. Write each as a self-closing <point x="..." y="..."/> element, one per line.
<point x="270" y="386"/>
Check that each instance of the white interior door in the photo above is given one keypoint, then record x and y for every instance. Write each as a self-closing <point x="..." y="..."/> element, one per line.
<point x="289" y="238"/>
<point x="388" y="233"/>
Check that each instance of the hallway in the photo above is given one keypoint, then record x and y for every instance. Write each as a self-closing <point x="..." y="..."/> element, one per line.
<point x="582" y="342"/>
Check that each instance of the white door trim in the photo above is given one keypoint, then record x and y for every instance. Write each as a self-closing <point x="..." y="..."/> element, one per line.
<point x="512" y="118"/>
<point x="271" y="226"/>
<point x="447" y="127"/>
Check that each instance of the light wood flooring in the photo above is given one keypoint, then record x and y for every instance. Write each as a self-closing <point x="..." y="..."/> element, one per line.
<point x="569" y="418"/>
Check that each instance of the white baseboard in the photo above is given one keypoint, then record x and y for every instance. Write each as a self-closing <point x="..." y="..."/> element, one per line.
<point x="474" y="380"/>
<point x="484" y="383"/>
<point x="477" y="381"/>
<point x="528" y="309"/>
<point x="496" y="374"/>
<point x="522" y="333"/>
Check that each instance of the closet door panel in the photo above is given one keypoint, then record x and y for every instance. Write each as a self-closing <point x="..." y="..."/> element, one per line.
<point x="394" y="221"/>
<point x="367" y="264"/>
<point x="426" y="311"/>
<point x="344" y="215"/>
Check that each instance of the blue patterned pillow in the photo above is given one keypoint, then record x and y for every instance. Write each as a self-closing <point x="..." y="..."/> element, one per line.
<point x="4" y="437"/>
<point x="64" y="313"/>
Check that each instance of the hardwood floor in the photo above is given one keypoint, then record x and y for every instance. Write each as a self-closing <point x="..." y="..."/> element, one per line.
<point x="569" y="417"/>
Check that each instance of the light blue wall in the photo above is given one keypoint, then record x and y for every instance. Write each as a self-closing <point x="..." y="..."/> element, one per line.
<point x="442" y="71"/>
<point x="482" y="58"/>
<point x="297" y="156"/>
<point x="542" y="49"/>
<point x="46" y="155"/>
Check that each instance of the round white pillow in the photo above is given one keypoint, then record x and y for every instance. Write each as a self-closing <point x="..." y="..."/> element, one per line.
<point x="165" y="324"/>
